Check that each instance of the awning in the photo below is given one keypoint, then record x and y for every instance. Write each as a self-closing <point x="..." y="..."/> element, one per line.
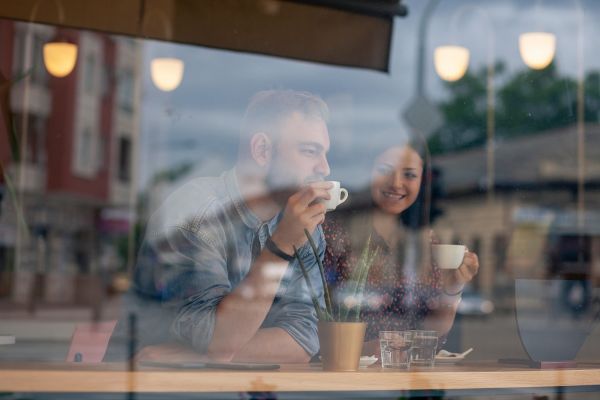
<point x="353" y="33"/>
<point x="115" y="221"/>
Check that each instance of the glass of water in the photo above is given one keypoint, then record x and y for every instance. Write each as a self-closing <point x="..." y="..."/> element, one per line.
<point x="423" y="348"/>
<point x="395" y="346"/>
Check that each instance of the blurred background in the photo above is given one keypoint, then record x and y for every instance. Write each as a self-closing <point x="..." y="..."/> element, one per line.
<point x="143" y="97"/>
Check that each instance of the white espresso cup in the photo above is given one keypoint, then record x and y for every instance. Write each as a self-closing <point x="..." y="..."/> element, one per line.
<point x="448" y="256"/>
<point x="338" y="196"/>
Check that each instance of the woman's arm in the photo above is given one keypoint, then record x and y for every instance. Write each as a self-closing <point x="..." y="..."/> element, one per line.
<point x="442" y="310"/>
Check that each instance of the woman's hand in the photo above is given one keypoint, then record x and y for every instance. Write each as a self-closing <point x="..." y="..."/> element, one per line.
<point x="454" y="281"/>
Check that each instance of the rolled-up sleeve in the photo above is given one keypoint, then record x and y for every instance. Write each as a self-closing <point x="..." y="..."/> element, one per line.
<point x="188" y="275"/>
<point x="294" y="311"/>
<point x="198" y="289"/>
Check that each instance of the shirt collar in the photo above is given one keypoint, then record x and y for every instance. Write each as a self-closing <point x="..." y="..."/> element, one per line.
<point x="233" y="188"/>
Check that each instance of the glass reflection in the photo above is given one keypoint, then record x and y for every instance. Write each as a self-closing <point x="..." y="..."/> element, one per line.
<point x="92" y="161"/>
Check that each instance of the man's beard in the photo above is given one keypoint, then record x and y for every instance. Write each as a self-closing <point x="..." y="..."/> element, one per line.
<point x="280" y="186"/>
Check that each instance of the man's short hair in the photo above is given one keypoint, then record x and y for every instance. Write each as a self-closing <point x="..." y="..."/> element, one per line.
<point x="268" y="108"/>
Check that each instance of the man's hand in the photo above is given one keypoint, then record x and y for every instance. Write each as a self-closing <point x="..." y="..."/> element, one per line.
<point x="302" y="211"/>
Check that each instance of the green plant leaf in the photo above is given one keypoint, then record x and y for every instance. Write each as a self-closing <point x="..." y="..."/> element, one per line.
<point x="315" y="251"/>
<point x="358" y="281"/>
<point x="322" y="315"/>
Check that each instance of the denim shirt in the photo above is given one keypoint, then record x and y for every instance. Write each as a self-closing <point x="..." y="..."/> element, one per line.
<point x="198" y="248"/>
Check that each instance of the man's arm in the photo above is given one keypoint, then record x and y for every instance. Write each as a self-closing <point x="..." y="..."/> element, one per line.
<point x="441" y="317"/>
<point x="240" y="314"/>
<point x="292" y="319"/>
<point x="265" y="346"/>
<point x="272" y="345"/>
<point x="293" y="312"/>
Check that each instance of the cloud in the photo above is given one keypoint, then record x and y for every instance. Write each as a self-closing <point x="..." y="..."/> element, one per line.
<point x="199" y="121"/>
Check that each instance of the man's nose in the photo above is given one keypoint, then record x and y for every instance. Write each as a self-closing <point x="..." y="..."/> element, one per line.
<point x="323" y="167"/>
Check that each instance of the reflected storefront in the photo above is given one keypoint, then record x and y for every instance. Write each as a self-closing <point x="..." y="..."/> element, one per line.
<point x="167" y="212"/>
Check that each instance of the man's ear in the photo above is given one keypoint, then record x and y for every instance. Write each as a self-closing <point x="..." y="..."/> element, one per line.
<point x="261" y="148"/>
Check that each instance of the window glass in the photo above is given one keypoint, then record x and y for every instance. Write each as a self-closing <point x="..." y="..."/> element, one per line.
<point x="444" y="161"/>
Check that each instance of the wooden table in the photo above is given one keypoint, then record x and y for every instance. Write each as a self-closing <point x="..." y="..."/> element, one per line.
<point x="469" y="377"/>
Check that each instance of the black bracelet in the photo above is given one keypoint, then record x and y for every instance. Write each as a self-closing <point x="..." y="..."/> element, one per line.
<point x="452" y="294"/>
<point x="269" y="244"/>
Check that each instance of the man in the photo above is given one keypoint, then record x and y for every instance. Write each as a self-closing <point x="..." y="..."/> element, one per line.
<point x="217" y="255"/>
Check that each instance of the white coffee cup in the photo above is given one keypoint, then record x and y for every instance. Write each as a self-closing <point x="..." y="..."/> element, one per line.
<point x="338" y="196"/>
<point x="448" y="256"/>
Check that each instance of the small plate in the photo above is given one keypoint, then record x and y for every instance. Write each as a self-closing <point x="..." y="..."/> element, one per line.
<point x="367" y="361"/>
<point x="447" y="360"/>
<point x="447" y="357"/>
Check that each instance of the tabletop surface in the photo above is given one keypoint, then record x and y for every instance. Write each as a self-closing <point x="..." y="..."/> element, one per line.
<point x="114" y="377"/>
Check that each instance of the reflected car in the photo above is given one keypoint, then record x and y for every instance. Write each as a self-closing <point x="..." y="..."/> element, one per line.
<point x="475" y="305"/>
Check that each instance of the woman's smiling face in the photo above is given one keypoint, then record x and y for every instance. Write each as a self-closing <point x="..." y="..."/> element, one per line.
<point x="396" y="179"/>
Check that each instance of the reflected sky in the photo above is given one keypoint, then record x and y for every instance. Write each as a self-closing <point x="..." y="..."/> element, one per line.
<point x="198" y="123"/>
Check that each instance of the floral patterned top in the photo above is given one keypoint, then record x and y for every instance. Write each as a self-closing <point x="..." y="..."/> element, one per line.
<point x="397" y="295"/>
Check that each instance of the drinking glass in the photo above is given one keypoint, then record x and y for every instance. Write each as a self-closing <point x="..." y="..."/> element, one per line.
<point x="423" y="348"/>
<point x="395" y="346"/>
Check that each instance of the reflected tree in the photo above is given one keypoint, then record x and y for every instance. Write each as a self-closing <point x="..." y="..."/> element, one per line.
<point x="464" y="114"/>
<point x="533" y="101"/>
<point x="528" y="102"/>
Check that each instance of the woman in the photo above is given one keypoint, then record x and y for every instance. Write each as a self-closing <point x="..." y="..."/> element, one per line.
<point x="404" y="290"/>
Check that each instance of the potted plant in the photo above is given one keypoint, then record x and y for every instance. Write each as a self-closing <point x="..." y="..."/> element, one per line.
<point x="341" y="331"/>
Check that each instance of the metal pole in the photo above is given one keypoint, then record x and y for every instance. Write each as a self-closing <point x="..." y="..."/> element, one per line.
<point x="491" y="120"/>
<point x="490" y="98"/>
<point x="22" y="234"/>
<point x="423" y="26"/>
<point x="581" y="172"/>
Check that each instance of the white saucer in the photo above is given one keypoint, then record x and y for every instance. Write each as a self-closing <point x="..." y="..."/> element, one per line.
<point x="367" y="361"/>
<point x="447" y="360"/>
<point x="447" y="357"/>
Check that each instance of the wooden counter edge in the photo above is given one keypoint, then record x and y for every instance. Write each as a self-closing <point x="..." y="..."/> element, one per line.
<point x="226" y="381"/>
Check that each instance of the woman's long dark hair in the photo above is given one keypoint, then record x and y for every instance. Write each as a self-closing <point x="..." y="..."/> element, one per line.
<point x="416" y="216"/>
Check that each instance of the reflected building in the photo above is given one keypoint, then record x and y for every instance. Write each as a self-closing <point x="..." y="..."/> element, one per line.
<point x="529" y="227"/>
<point x="77" y="138"/>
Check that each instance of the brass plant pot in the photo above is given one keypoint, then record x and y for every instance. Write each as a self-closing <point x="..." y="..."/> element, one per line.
<point x="341" y="344"/>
